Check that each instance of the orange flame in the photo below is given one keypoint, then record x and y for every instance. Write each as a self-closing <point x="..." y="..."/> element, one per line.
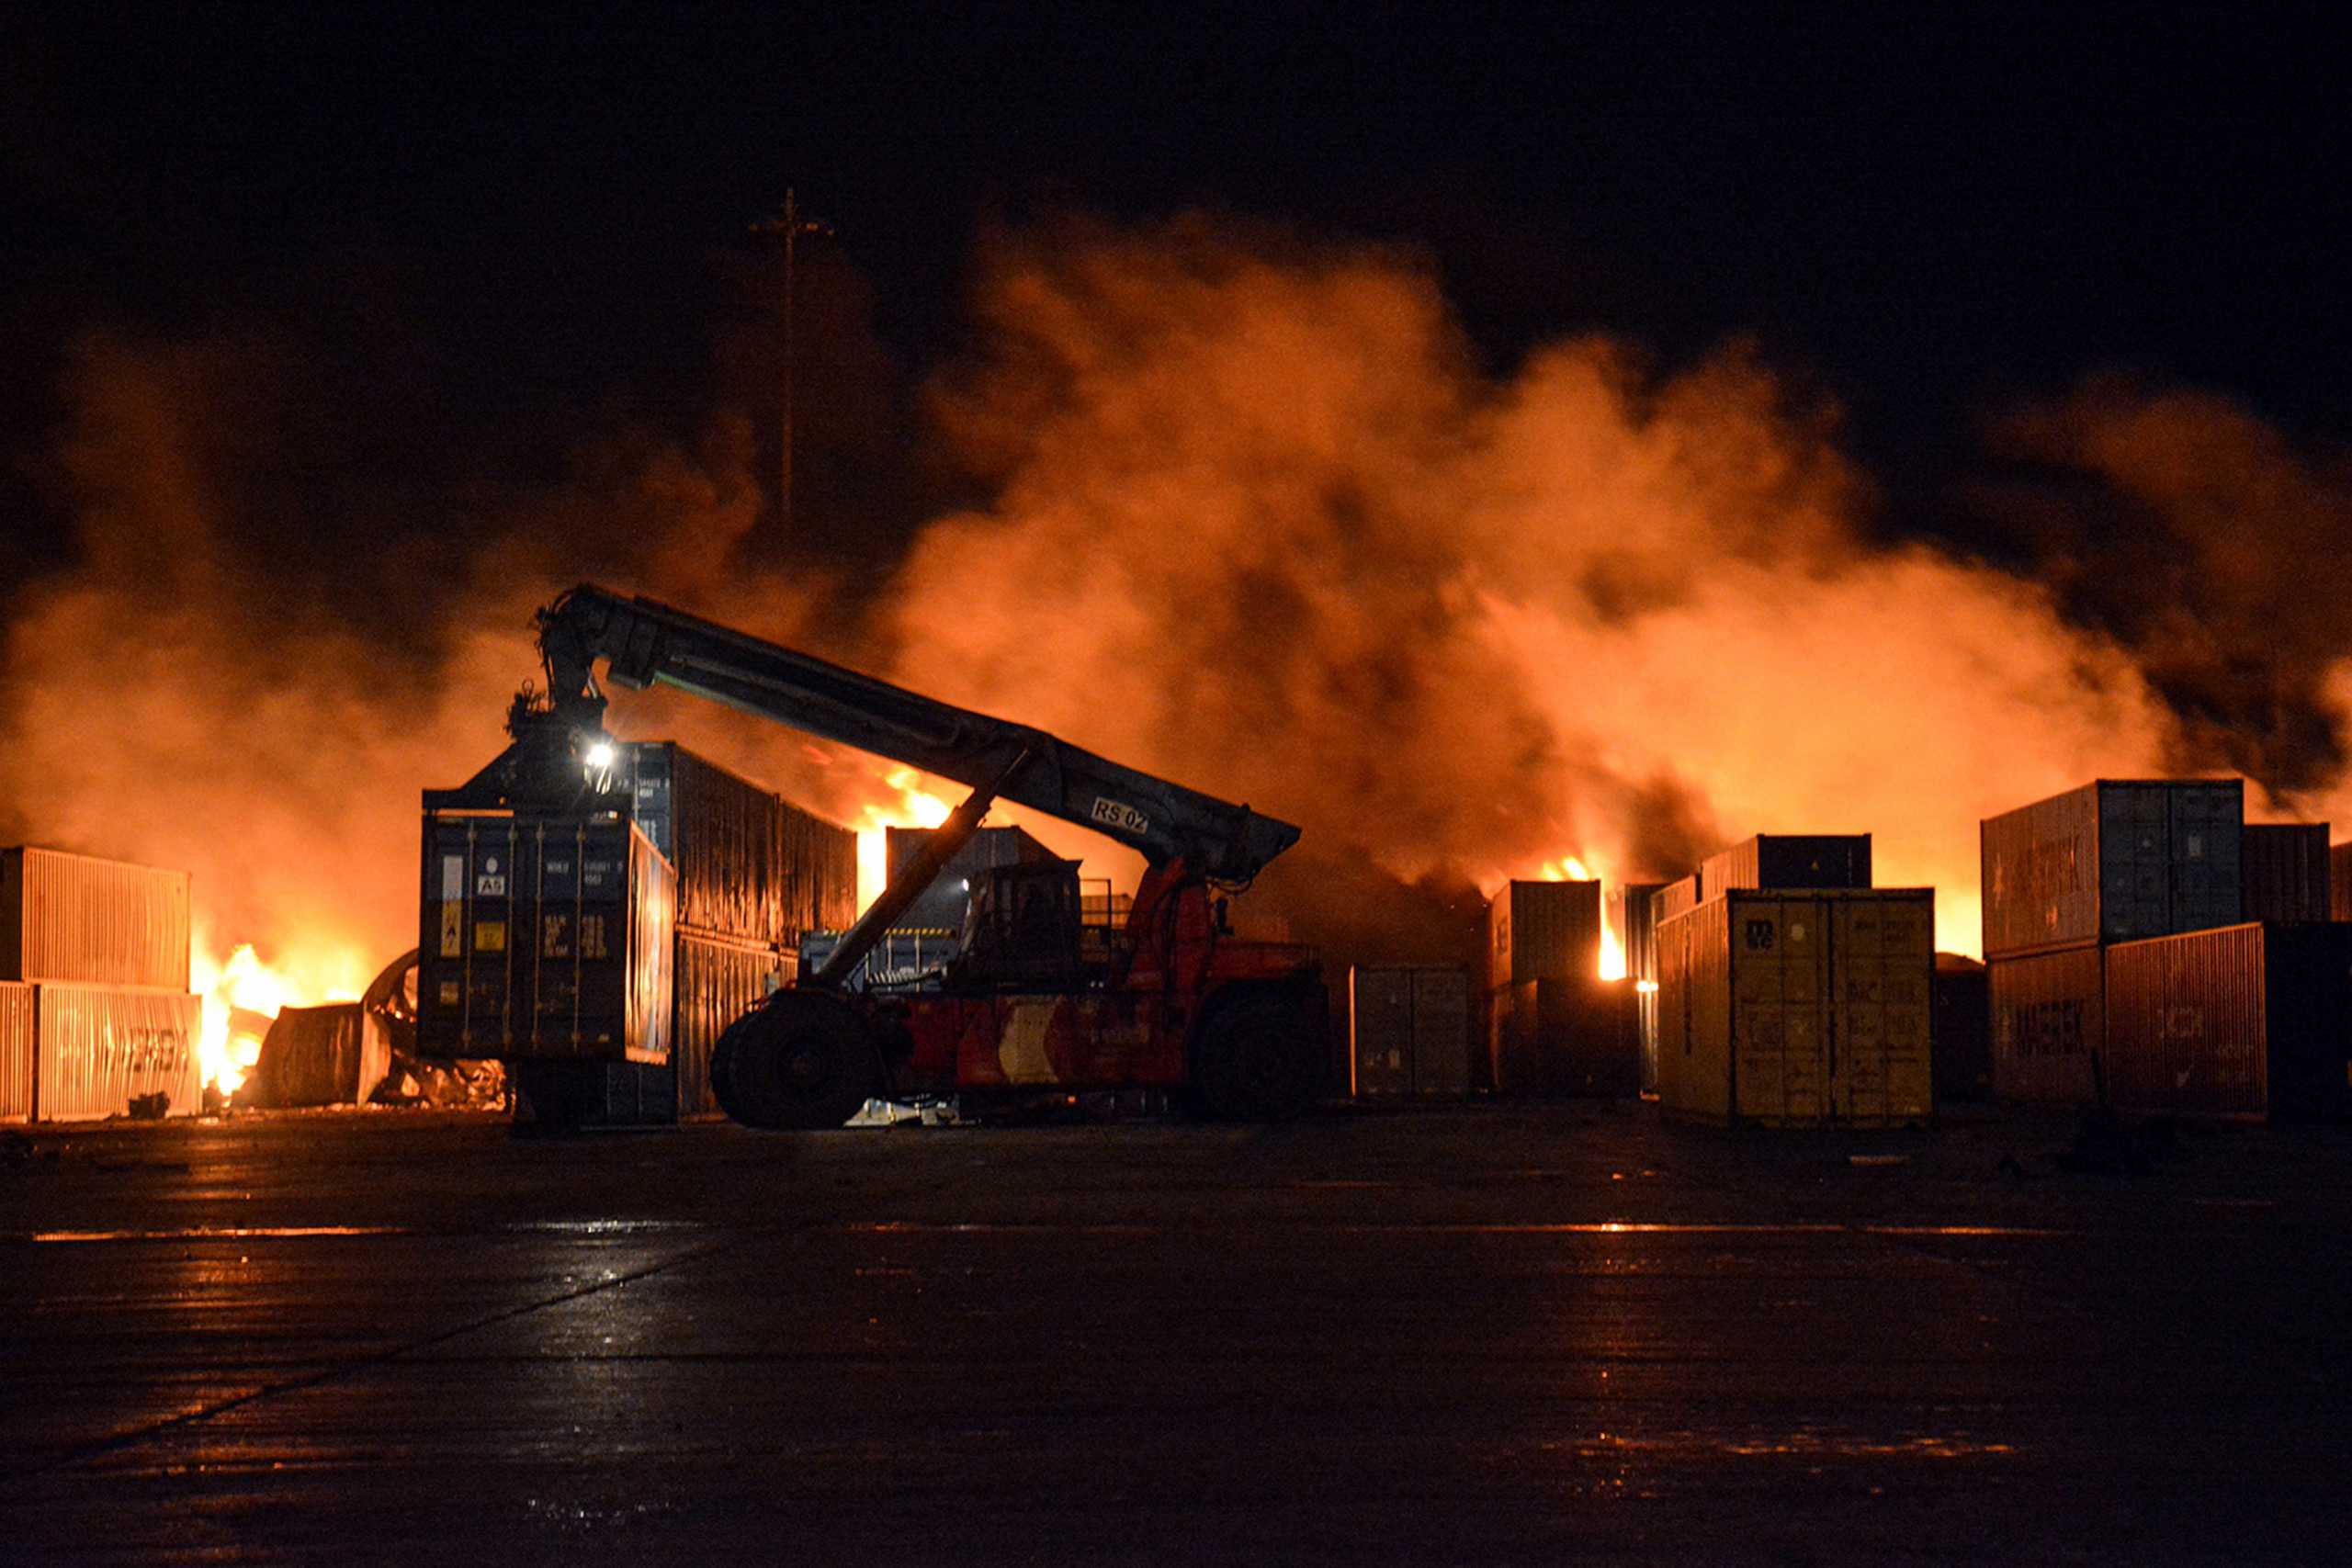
<point x="243" y="993"/>
<point x="912" y="806"/>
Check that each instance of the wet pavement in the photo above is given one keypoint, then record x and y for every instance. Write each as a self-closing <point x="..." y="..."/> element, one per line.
<point x="1469" y="1335"/>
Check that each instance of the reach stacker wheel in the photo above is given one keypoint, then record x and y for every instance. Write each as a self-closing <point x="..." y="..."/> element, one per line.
<point x="801" y="1060"/>
<point x="1257" y="1059"/>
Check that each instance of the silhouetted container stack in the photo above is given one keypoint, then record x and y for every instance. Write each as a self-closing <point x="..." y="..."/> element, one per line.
<point x="95" y="1008"/>
<point x="1553" y="1026"/>
<point x="2065" y="879"/>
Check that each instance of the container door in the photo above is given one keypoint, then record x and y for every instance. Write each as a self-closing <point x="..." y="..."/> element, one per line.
<point x="2205" y="842"/>
<point x="1380" y="1024"/>
<point x="2134" y="861"/>
<point x="1882" y="960"/>
<point x="1440" y="1032"/>
<point x="1779" y="949"/>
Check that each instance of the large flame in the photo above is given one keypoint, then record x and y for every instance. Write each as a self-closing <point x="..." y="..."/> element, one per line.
<point x="908" y="804"/>
<point x="243" y="992"/>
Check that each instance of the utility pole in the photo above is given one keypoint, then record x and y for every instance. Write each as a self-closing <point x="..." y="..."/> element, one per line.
<point x="792" y="223"/>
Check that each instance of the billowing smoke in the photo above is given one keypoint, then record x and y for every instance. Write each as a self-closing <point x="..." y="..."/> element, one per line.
<point x="1259" y="520"/>
<point x="1262" y="522"/>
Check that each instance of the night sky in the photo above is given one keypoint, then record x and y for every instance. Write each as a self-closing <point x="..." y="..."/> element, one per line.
<point x="496" y="240"/>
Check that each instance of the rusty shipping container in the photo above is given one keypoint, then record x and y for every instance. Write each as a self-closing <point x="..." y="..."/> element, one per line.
<point x="1409" y="1031"/>
<point x="2049" y="1023"/>
<point x="333" y="1054"/>
<point x="2250" y="1021"/>
<point x="1632" y="915"/>
<point x="1799" y="1009"/>
<point x="1963" y="1029"/>
<point x="1542" y="931"/>
<point x="97" y="1048"/>
<point x="1789" y="859"/>
<point x="81" y="920"/>
<point x="2283" y="872"/>
<point x="2339" y="882"/>
<point x="543" y="939"/>
<point x="2114" y="861"/>
<point x="17" y="1044"/>
<point x="1574" y="1036"/>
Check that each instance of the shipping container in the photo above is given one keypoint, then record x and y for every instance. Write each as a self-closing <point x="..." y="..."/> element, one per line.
<point x="334" y="1054"/>
<point x="2250" y="1021"/>
<point x="1632" y="915"/>
<point x="548" y="939"/>
<point x="1572" y="1036"/>
<point x="98" y="1048"/>
<point x="1409" y="1031"/>
<point x="2283" y="872"/>
<point x="1789" y="859"/>
<point x="749" y="866"/>
<point x="2114" y="861"/>
<point x="1674" y="899"/>
<point x="1963" y="1029"/>
<point x="81" y="920"/>
<point x="17" y="1052"/>
<point x="1542" y="931"/>
<point x="1799" y="1009"/>
<point x="2339" y="882"/>
<point x="2049" y="1020"/>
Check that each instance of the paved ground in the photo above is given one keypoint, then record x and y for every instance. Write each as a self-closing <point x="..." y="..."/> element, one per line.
<point x="1472" y="1335"/>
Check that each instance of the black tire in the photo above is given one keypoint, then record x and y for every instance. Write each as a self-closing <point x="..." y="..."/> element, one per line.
<point x="799" y="1061"/>
<point x="1257" y="1059"/>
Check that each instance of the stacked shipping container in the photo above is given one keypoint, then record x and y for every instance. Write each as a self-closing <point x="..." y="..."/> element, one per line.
<point x="2067" y="877"/>
<point x="1553" y="1026"/>
<point x="95" y="1008"/>
<point x="2283" y="873"/>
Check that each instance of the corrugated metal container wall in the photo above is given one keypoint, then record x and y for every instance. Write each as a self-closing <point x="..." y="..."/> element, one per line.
<point x="334" y="1054"/>
<point x="724" y="838"/>
<point x="101" y="1047"/>
<point x="717" y="981"/>
<point x="17" y="1052"/>
<point x="549" y="940"/>
<point x="820" y="873"/>
<point x="2113" y="860"/>
<point x="1799" y="1009"/>
<point x="1542" y="931"/>
<point x="2247" y="1022"/>
<point x="2283" y="872"/>
<point x="1789" y="859"/>
<point x="2339" y="882"/>
<point x="81" y="920"/>
<point x="1675" y="899"/>
<point x="2049" y="1017"/>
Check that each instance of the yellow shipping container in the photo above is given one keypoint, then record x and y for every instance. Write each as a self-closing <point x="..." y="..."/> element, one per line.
<point x="1798" y="1010"/>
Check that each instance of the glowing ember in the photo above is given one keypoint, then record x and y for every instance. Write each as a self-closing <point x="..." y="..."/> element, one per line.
<point x="242" y="995"/>
<point x="914" y="806"/>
